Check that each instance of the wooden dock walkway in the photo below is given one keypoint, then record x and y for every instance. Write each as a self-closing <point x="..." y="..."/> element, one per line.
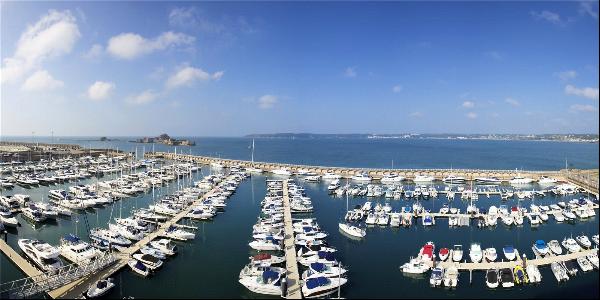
<point x="294" y="289"/>
<point x="482" y="266"/>
<point x="29" y="269"/>
<point x="74" y="289"/>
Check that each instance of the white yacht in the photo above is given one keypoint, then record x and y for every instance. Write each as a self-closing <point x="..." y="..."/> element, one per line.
<point x="488" y="180"/>
<point x="165" y="246"/>
<point x="457" y="253"/>
<point x="331" y="176"/>
<point x="352" y="230"/>
<point x="148" y="260"/>
<point x="521" y="180"/>
<point x="451" y="277"/>
<point x="268" y="244"/>
<point x="584" y="241"/>
<point x="77" y="251"/>
<point x="108" y="236"/>
<point x="100" y="288"/>
<point x="268" y="283"/>
<point x="475" y="253"/>
<point x="362" y="176"/>
<point x="414" y="266"/>
<point x="423" y="178"/>
<point x="490" y="254"/>
<point x="571" y="245"/>
<point x="533" y="273"/>
<point x="42" y="254"/>
<point x="555" y="247"/>
<point x="452" y="179"/>
<point x="282" y="172"/>
<point x="391" y="178"/>
<point x="509" y="252"/>
<point x="322" y="270"/>
<point x="321" y="286"/>
<point x="545" y="180"/>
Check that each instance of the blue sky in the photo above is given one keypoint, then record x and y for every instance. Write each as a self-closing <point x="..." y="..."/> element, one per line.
<point x="230" y="69"/>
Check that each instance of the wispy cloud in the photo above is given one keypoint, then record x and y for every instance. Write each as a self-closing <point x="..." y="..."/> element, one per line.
<point x="100" y="90"/>
<point x="587" y="92"/>
<point x="267" y="101"/>
<point x="471" y="115"/>
<point x="95" y="51"/>
<point x="589" y="8"/>
<point x="53" y="35"/>
<point x="566" y="75"/>
<point x="131" y="45"/>
<point x="350" y="72"/>
<point x="548" y="16"/>
<point x="41" y="81"/>
<point x="187" y="76"/>
<point x="512" y="101"/>
<point x="415" y="114"/>
<point x="583" y="108"/>
<point x="468" y="104"/>
<point x="144" y="97"/>
<point x="397" y="88"/>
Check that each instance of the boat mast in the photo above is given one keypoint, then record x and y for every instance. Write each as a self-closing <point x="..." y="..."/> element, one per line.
<point x="252" y="151"/>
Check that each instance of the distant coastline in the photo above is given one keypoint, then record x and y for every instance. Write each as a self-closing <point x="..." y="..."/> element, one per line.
<point x="580" y="138"/>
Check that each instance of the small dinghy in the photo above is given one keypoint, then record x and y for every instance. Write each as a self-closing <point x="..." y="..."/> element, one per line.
<point x="100" y="288"/>
<point x="491" y="278"/>
<point x="444" y="254"/>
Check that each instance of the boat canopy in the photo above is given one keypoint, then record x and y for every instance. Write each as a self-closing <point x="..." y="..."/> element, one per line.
<point x="540" y="243"/>
<point x="140" y="265"/>
<point x="318" y="267"/>
<point x="71" y="238"/>
<point x="316" y="282"/>
<point x="262" y="256"/>
<point x="509" y="249"/>
<point x="269" y="275"/>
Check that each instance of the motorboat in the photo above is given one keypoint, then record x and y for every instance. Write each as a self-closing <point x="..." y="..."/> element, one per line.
<point x="559" y="271"/>
<point x="490" y="254"/>
<point x="437" y="276"/>
<point x="138" y="267"/>
<point x="427" y="252"/>
<point x="267" y="244"/>
<point x="595" y="239"/>
<point x="165" y="246"/>
<point x="352" y="230"/>
<point x="509" y="252"/>
<point x="42" y="254"/>
<point x="457" y="253"/>
<point x="451" y="277"/>
<point x="555" y="247"/>
<point x="443" y="254"/>
<point x="423" y="178"/>
<point x="127" y="232"/>
<point x="179" y="234"/>
<point x="33" y="214"/>
<point x="77" y="251"/>
<point x="507" y="278"/>
<point x="488" y="180"/>
<point x="321" y="286"/>
<point x="109" y="236"/>
<point x="584" y="241"/>
<point x="452" y="179"/>
<point x="153" y="251"/>
<point x="428" y="220"/>
<point x="545" y="180"/>
<point x="267" y="259"/>
<point x="540" y="248"/>
<point x="584" y="264"/>
<point x="571" y="245"/>
<point x="389" y="178"/>
<point x="520" y="275"/>
<point x="593" y="258"/>
<point x="362" y="176"/>
<point x="475" y="253"/>
<point x="268" y="283"/>
<point x="533" y="273"/>
<point x="517" y="180"/>
<point x="322" y="270"/>
<point x="491" y="278"/>
<point x="100" y="288"/>
<point x="148" y="260"/>
<point x="414" y="266"/>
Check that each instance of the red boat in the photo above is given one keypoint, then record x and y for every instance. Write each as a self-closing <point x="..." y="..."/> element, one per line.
<point x="444" y="254"/>
<point x="427" y="252"/>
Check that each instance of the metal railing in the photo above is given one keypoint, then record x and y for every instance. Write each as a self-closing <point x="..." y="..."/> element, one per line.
<point x="31" y="286"/>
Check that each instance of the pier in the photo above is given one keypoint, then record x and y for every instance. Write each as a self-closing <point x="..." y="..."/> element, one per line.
<point x="291" y="262"/>
<point x="589" y="183"/>
<point x="72" y="280"/>
<point x="482" y="266"/>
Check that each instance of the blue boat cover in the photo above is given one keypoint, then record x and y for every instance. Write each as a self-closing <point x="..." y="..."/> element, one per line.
<point x="140" y="265"/>
<point x="317" y="267"/>
<point x="540" y="243"/>
<point x="269" y="274"/>
<point x="307" y="229"/>
<point x="329" y="256"/>
<point x="316" y="282"/>
<point x="509" y="249"/>
<point x="71" y="238"/>
<point x="321" y="254"/>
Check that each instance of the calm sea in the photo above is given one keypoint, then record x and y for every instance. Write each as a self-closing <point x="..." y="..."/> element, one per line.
<point x="208" y="267"/>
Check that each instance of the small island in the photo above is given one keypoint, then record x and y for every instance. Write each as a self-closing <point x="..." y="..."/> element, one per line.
<point x="165" y="139"/>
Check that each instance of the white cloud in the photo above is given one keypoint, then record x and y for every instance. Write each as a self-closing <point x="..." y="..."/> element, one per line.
<point x="186" y="76"/>
<point x="513" y="102"/>
<point x="350" y="72"/>
<point x="587" y="92"/>
<point x="468" y="104"/>
<point x="547" y="16"/>
<point x="415" y="114"/>
<point x="471" y="115"/>
<point x="95" y="51"/>
<point x="397" y="88"/>
<point x="267" y="101"/>
<point x="566" y="75"/>
<point x="494" y="55"/>
<point x="100" y="90"/>
<point x="52" y="36"/>
<point x="131" y="45"/>
<point x="40" y="81"/>
<point x="144" y="97"/>
<point x="583" y="108"/>
<point x="587" y="7"/>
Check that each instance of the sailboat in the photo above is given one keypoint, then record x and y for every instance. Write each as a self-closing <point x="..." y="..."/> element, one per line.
<point x="252" y="169"/>
<point x="349" y="229"/>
